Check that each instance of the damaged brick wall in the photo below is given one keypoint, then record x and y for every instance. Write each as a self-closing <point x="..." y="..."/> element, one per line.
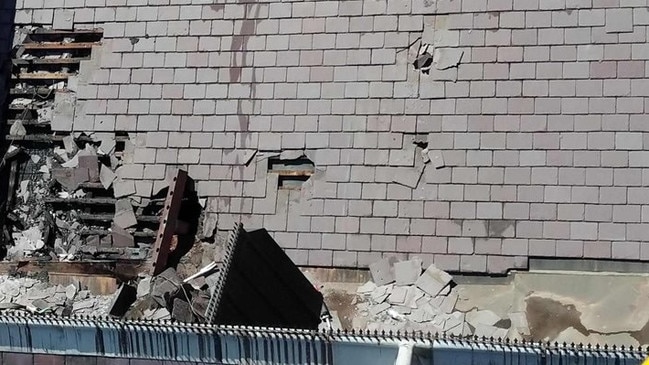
<point x="519" y="134"/>
<point x="7" y="10"/>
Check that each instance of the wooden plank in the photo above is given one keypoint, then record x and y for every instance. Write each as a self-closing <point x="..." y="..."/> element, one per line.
<point x="81" y="201"/>
<point x="105" y="232"/>
<point x="32" y="90"/>
<point x="42" y="76"/>
<point x="12" y="185"/>
<point x="109" y="217"/>
<point x="91" y="185"/>
<point x="34" y="138"/>
<point x="123" y="269"/>
<point x="30" y="122"/>
<point x="55" y="138"/>
<point x="59" y="45"/>
<point x="292" y="172"/>
<point x="98" y="31"/>
<point x="49" y="61"/>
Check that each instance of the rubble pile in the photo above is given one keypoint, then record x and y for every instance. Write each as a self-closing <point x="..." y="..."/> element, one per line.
<point x="47" y="219"/>
<point x="35" y="296"/>
<point x="403" y="297"/>
<point x="168" y="296"/>
<point x="70" y="199"/>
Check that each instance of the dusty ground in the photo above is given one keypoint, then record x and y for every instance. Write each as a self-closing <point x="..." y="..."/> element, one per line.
<point x="603" y="308"/>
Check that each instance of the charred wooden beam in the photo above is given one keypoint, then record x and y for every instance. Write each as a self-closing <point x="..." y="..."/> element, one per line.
<point x="109" y="218"/>
<point x="59" y="45"/>
<point x="81" y="201"/>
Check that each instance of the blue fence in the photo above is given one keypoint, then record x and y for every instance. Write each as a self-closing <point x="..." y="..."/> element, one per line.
<point x="235" y="345"/>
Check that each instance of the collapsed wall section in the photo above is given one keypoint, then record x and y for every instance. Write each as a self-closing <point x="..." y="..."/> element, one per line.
<point x="473" y="134"/>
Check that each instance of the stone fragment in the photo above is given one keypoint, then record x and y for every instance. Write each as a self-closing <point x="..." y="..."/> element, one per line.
<point x="446" y="291"/>
<point x="381" y="293"/>
<point x="161" y="313"/>
<point x="398" y="295"/>
<point x="165" y="286"/>
<point x="106" y="176"/>
<point x="377" y="309"/>
<point x="17" y="129"/>
<point x="436" y="158"/>
<point x="485" y="317"/>
<point x="122" y="300"/>
<point x="424" y="155"/>
<point x="41" y="305"/>
<point x="381" y="271"/>
<point x="448" y="304"/>
<point x="70" y="291"/>
<point x="124" y="215"/>
<point x="433" y="280"/>
<point x="121" y="237"/>
<point x="366" y="288"/>
<point x="182" y="311"/>
<point x="83" y="304"/>
<point x="407" y="272"/>
<point x="414" y="294"/>
<point x="63" y="114"/>
<point x="211" y="281"/>
<point x="445" y="58"/>
<point x="144" y="287"/>
<point x="70" y="145"/>
<point x="90" y="163"/>
<point x="409" y="177"/>
<point x="107" y="145"/>
<point x="65" y="177"/>
<point x="122" y="188"/>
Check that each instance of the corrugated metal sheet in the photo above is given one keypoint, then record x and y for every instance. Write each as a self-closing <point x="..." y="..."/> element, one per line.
<point x="234" y="345"/>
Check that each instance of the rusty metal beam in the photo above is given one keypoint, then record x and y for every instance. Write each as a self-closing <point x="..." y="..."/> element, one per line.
<point x="168" y="222"/>
<point x="122" y="269"/>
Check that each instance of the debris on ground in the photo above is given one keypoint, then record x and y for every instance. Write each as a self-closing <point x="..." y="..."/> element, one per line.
<point x="29" y="295"/>
<point x="402" y="296"/>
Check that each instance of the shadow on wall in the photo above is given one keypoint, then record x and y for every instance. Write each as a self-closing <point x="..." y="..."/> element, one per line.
<point x="7" y="15"/>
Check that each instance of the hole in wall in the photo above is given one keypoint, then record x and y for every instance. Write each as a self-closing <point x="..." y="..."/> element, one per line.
<point x="292" y="172"/>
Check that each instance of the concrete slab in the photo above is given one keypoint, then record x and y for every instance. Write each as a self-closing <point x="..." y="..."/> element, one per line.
<point x="123" y="188"/>
<point x="63" y="114"/>
<point x="366" y="288"/>
<point x="381" y="272"/>
<point x="436" y="158"/>
<point x="124" y="214"/>
<point x="433" y="280"/>
<point x="445" y="58"/>
<point x="420" y="315"/>
<point x="448" y="304"/>
<point x="381" y="293"/>
<point x="379" y="308"/>
<point x="398" y="295"/>
<point x="144" y="287"/>
<point x="90" y="163"/>
<point x="165" y="286"/>
<point x="121" y="237"/>
<point x="182" y="311"/>
<point x="407" y="272"/>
